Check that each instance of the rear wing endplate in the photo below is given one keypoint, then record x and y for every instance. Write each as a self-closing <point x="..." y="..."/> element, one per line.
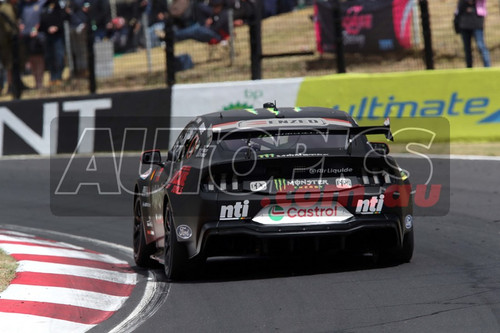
<point x="367" y="130"/>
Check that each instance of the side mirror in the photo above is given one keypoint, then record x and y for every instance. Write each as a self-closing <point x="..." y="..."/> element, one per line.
<point x="380" y="147"/>
<point x="151" y="157"/>
<point x="170" y="156"/>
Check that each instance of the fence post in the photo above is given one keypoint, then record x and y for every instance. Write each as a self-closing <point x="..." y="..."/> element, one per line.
<point x="426" y="30"/>
<point x="91" y="55"/>
<point x="256" y="41"/>
<point x="169" y="52"/>
<point x="339" y="36"/>
<point x="16" y="82"/>
<point x="147" y="38"/>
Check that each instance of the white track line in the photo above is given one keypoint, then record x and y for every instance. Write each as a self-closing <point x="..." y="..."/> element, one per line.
<point x="47" y="251"/>
<point x="15" y="322"/>
<point x="81" y="271"/>
<point x="65" y="296"/>
<point x="16" y="233"/>
<point x="6" y="238"/>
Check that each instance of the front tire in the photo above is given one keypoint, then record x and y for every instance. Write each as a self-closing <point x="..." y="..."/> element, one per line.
<point x="142" y="251"/>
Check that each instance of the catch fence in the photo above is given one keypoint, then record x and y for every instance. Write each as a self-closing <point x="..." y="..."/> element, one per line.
<point x="289" y="40"/>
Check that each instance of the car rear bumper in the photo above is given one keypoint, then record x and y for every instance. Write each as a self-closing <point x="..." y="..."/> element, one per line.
<point x="363" y="232"/>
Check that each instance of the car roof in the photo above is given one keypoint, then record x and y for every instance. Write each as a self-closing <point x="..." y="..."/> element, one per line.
<point x="222" y="117"/>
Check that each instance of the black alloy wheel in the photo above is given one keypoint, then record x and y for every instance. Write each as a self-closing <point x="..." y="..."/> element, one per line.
<point x="142" y="251"/>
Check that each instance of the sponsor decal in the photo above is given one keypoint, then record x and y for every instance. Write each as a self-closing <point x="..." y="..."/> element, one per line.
<point x="354" y="21"/>
<point x="330" y="170"/>
<point x="343" y="182"/>
<point x="158" y="174"/>
<point x="237" y="211"/>
<point x="373" y="205"/>
<point x="276" y="213"/>
<point x="258" y="186"/>
<point x="202" y="128"/>
<point x="302" y="155"/>
<point x="146" y="204"/>
<point x="307" y="182"/>
<point x="292" y="122"/>
<point x="176" y="184"/>
<point x="408" y="221"/>
<point x="145" y="191"/>
<point x="184" y="231"/>
<point x="271" y="155"/>
<point x="146" y="174"/>
<point x="294" y="214"/>
<point x="281" y="184"/>
<point x="202" y="152"/>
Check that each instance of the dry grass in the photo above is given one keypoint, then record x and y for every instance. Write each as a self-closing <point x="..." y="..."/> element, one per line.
<point x="7" y="270"/>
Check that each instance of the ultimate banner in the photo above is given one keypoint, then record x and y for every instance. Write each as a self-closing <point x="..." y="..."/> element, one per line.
<point x="368" y="26"/>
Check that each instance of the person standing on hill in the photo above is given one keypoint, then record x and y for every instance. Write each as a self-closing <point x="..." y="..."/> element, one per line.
<point x="9" y="31"/>
<point x="52" y="24"/>
<point x="33" y="38"/>
<point x="471" y="16"/>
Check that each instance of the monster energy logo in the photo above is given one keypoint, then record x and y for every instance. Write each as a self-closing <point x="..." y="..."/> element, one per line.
<point x="279" y="184"/>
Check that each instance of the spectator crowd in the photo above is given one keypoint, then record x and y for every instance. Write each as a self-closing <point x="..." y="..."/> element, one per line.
<point x="40" y="30"/>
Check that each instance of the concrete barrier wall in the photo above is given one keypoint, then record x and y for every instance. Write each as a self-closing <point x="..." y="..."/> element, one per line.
<point x="469" y="99"/>
<point x="96" y="123"/>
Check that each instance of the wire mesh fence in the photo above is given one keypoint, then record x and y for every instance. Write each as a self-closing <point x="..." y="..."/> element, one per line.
<point x="133" y="55"/>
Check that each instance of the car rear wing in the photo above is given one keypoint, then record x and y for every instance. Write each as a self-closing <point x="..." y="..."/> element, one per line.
<point x="367" y="130"/>
<point x="351" y="131"/>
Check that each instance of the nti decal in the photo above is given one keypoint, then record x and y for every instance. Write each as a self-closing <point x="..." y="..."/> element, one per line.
<point x="234" y="212"/>
<point x="176" y="184"/>
<point x="373" y="205"/>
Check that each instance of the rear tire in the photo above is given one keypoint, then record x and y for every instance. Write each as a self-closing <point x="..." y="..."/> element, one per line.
<point x="177" y="264"/>
<point x="406" y="252"/>
<point x="142" y="251"/>
<point x="400" y="255"/>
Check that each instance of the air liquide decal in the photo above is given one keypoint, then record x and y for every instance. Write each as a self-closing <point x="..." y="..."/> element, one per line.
<point x="294" y="214"/>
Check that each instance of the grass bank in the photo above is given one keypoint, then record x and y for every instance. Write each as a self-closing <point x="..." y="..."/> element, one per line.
<point x="7" y="269"/>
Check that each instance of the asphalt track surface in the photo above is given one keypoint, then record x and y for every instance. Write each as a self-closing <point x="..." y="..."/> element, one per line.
<point x="451" y="285"/>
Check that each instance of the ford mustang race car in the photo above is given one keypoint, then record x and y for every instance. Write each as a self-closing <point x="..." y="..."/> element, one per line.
<point x="271" y="180"/>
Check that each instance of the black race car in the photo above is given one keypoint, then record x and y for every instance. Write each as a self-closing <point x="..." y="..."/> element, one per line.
<point x="269" y="180"/>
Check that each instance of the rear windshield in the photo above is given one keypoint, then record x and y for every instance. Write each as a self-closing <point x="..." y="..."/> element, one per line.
<point x="295" y="142"/>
